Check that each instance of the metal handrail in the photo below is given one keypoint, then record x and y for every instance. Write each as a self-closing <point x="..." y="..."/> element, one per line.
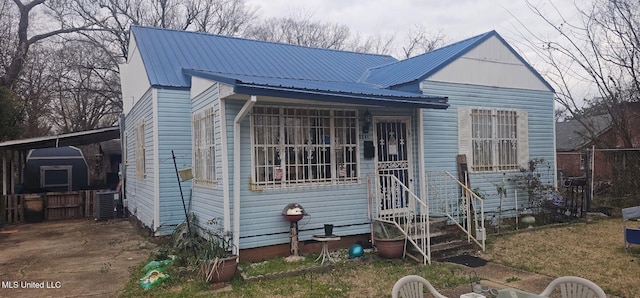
<point x="401" y="219"/>
<point x="460" y="198"/>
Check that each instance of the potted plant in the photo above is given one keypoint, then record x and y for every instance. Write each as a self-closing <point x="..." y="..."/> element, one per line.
<point x="217" y="262"/>
<point x="389" y="240"/>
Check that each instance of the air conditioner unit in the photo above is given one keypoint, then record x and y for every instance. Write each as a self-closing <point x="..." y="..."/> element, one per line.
<point x="106" y="204"/>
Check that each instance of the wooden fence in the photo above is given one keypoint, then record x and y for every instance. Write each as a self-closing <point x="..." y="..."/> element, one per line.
<point x="11" y="209"/>
<point x="52" y="205"/>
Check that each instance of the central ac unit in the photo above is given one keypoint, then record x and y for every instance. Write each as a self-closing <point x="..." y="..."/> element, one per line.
<point x="106" y="204"/>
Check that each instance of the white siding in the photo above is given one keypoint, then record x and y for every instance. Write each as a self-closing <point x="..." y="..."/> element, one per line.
<point x="490" y="64"/>
<point x="133" y="78"/>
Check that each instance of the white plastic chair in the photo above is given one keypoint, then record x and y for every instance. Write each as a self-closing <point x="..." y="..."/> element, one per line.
<point x="412" y="286"/>
<point x="574" y="287"/>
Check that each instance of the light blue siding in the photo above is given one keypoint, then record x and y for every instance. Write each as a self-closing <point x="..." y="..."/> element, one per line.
<point x="441" y="134"/>
<point x="139" y="192"/>
<point x="208" y="200"/>
<point x="174" y="133"/>
<point x="344" y="206"/>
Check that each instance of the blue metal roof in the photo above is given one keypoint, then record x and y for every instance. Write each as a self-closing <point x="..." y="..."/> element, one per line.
<point x="345" y="92"/>
<point x="170" y="56"/>
<point x="166" y="53"/>
<point x="418" y="68"/>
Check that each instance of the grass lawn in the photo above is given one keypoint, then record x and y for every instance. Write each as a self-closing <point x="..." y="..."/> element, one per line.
<point x="368" y="276"/>
<point x="590" y="250"/>
<point x="593" y="250"/>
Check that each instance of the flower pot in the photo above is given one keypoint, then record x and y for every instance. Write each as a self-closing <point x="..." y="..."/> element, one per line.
<point x="219" y="270"/>
<point x="390" y="248"/>
<point x="328" y="230"/>
<point x="528" y="220"/>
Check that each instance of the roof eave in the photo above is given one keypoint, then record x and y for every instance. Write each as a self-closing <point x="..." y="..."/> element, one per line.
<point x="337" y="97"/>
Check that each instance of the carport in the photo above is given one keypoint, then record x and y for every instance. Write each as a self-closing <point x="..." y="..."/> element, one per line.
<point x="14" y="155"/>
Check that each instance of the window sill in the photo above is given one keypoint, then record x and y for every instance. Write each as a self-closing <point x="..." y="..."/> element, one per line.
<point x="205" y="184"/>
<point x="303" y="185"/>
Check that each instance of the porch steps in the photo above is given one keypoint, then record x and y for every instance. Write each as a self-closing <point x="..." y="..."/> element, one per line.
<point x="446" y="241"/>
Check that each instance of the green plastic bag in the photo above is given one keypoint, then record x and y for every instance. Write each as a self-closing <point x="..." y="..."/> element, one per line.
<point x="156" y="264"/>
<point x="153" y="278"/>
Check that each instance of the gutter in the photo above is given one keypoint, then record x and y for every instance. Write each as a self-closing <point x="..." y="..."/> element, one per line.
<point x="236" y="170"/>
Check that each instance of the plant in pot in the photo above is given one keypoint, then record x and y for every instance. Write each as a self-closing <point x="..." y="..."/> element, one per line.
<point x="389" y="240"/>
<point x="217" y="262"/>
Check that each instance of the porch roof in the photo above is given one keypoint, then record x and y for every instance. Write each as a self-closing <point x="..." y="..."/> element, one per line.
<point x="327" y="91"/>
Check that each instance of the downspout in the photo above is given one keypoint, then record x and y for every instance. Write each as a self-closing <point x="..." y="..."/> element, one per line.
<point x="555" y="155"/>
<point x="236" y="169"/>
<point x="123" y="156"/>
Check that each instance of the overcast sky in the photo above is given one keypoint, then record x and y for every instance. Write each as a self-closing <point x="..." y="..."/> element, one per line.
<point x="456" y="19"/>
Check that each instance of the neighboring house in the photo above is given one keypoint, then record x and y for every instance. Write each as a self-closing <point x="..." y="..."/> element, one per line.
<point x="264" y="124"/>
<point x="574" y="139"/>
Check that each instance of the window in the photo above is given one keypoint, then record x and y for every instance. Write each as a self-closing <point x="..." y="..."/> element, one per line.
<point x="493" y="139"/>
<point x="141" y="168"/>
<point x="297" y="146"/>
<point x="56" y="178"/>
<point x="204" y="148"/>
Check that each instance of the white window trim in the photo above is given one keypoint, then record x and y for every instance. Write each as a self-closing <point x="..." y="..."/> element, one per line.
<point x="204" y="141"/>
<point x="465" y="139"/>
<point x="141" y="167"/>
<point x="336" y="177"/>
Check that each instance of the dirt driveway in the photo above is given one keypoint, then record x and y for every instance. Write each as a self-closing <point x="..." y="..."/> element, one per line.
<point x="77" y="258"/>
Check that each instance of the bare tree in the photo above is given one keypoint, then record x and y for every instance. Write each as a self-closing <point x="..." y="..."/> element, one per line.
<point x="301" y="30"/>
<point x="602" y="48"/>
<point x="114" y="17"/>
<point x="10" y="114"/>
<point x="22" y="36"/>
<point x="34" y="88"/>
<point x="371" y="44"/>
<point x="84" y="92"/>
<point x="63" y="55"/>
<point x="420" y="40"/>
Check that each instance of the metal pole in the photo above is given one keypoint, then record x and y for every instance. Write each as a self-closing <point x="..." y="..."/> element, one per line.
<point x="184" y="206"/>
<point x="593" y="167"/>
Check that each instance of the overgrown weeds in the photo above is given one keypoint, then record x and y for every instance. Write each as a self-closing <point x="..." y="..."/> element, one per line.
<point x="368" y="276"/>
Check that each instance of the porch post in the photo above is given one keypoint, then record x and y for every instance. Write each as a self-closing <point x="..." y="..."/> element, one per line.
<point x="421" y="166"/>
<point x="4" y="173"/>
<point x="246" y="108"/>
<point x="12" y="184"/>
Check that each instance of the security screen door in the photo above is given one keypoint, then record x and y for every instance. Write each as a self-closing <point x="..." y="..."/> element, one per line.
<point x="393" y="150"/>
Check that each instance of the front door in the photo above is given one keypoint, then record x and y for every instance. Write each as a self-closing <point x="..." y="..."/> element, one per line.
<point x="393" y="151"/>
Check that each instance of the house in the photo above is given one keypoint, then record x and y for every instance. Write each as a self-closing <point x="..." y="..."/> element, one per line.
<point x="597" y="134"/>
<point x="263" y="125"/>
<point x="573" y="141"/>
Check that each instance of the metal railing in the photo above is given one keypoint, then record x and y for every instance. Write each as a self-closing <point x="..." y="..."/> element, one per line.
<point x="450" y="198"/>
<point x="394" y="203"/>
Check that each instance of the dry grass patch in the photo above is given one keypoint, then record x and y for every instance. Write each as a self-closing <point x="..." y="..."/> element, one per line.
<point x="591" y="250"/>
